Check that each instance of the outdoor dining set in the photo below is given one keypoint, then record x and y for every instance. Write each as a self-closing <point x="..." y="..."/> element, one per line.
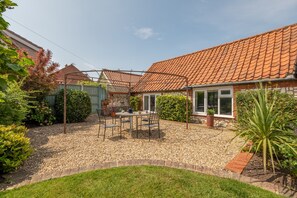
<point x="144" y="121"/>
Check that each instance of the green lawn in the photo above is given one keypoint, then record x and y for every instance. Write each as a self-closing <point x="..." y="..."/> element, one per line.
<point x="139" y="181"/>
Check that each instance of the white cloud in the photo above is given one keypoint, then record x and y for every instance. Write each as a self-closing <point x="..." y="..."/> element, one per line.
<point x="144" y="33"/>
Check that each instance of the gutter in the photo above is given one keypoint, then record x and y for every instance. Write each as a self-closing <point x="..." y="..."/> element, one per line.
<point x="288" y="78"/>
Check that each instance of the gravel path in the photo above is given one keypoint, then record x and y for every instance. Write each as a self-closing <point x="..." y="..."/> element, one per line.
<point x="55" y="151"/>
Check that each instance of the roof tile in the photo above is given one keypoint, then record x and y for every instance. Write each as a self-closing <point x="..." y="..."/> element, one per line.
<point x="265" y="56"/>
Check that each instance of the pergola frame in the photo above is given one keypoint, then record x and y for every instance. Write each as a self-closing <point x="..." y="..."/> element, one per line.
<point x="176" y="78"/>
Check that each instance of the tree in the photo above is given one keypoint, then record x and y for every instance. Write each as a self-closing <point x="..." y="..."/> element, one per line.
<point x="12" y="64"/>
<point x="42" y="76"/>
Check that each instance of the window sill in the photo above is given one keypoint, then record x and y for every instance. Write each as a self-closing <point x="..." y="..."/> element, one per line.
<point x="216" y="115"/>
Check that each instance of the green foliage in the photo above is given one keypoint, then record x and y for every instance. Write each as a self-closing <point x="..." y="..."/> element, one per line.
<point x="135" y="102"/>
<point x="210" y="111"/>
<point x="41" y="114"/>
<point x="173" y="107"/>
<point x="92" y="83"/>
<point x="14" y="147"/>
<point x="288" y="159"/>
<point x="285" y="103"/>
<point x="14" y="108"/>
<point x="12" y="64"/>
<point x="78" y="105"/>
<point x="265" y="126"/>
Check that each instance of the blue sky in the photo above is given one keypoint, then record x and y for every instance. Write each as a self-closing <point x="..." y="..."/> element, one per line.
<point x="133" y="34"/>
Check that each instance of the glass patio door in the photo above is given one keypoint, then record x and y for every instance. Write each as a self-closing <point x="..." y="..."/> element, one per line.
<point x="149" y="102"/>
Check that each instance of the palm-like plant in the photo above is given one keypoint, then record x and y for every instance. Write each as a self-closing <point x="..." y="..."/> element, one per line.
<point x="267" y="136"/>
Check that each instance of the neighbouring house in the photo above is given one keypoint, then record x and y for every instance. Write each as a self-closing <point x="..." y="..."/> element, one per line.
<point x="118" y="86"/>
<point x="74" y="78"/>
<point x="21" y="43"/>
<point x="215" y="74"/>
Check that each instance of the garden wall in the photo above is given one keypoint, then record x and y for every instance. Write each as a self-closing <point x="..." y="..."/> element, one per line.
<point x="118" y="101"/>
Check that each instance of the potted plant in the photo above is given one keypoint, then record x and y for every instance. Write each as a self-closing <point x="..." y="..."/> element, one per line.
<point x="210" y="117"/>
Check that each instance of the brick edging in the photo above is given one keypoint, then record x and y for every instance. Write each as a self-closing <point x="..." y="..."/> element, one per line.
<point x="136" y="162"/>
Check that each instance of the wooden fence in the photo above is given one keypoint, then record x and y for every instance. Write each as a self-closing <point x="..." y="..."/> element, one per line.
<point x="96" y="94"/>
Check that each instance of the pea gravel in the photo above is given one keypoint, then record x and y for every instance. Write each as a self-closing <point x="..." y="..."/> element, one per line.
<point x="55" y="151"/>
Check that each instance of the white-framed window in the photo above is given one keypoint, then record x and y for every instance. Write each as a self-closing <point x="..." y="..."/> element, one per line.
<point x="218" y="98"/>
<point x="149" y="101"/>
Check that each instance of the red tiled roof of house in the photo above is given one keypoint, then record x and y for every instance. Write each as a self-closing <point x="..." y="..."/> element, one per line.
<point x="120" y="81"/>
<point x="118" y="76"/>
<point x="270" y="55"/>
<point x="72" y="78"/>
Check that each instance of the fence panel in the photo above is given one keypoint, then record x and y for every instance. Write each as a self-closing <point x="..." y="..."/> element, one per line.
<point x="96" y="94"/>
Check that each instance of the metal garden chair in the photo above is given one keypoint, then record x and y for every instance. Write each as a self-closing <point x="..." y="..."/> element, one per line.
<point x="153" y="121"/>
<point x="107" y="123"/>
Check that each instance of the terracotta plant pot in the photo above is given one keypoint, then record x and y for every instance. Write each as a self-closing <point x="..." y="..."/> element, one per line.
<point x="210" y="121"/>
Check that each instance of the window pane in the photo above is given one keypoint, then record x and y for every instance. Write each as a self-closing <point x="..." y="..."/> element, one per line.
<point x="226" y="106"/>
<point x="199" y="106"/>
<point x="225" y="92"/>
<point x="152" y="102"/>
<point x="212" y="100"/>
<point x="146" y="103"/>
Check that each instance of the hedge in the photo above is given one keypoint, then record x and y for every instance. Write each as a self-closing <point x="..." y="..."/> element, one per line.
<point x="173" y="107"/>
<point x="285" y="103"/>
<point x="78" y="103"/>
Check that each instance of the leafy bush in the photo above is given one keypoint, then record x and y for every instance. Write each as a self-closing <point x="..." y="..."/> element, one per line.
<point x="173" y="107"/>
<point x="41" y="114"/>
<point x="135" y="102"/>
<point x="78" y="105"/>
<point x="14" y="106"/>
<point x="285" y="103"/>
<point x="288" y="159"/>
<point x="14" y="147"/>
<point x="12" y="64"/>
<point x="265" y="125"/>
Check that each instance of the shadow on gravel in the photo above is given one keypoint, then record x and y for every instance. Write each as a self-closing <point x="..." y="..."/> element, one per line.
<point x="39" y="136"/>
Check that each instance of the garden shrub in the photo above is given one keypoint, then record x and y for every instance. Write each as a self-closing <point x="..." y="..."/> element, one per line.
<point x="78" y="105"/>
<point x="285" y="103"/>
<point x="173" y="107"/>
<point x="135" y="103"/>
<point x="269" y="118"/>
<point x="14" y="147"/>
<point x="41" y="114"/>
<point x="288" y="160"/>
<point x="14" y="106"/>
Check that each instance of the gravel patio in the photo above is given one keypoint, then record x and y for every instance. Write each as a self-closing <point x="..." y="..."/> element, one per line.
<point x="55" y="151"/>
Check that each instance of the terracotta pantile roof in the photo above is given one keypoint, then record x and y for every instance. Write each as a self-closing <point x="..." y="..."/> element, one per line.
<point x="121" y="76"/>
<point x="71" y="79"/>
<point x="270" y="55"/>
<point x="22" y="43"/>
<point x="119" y="81"/>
